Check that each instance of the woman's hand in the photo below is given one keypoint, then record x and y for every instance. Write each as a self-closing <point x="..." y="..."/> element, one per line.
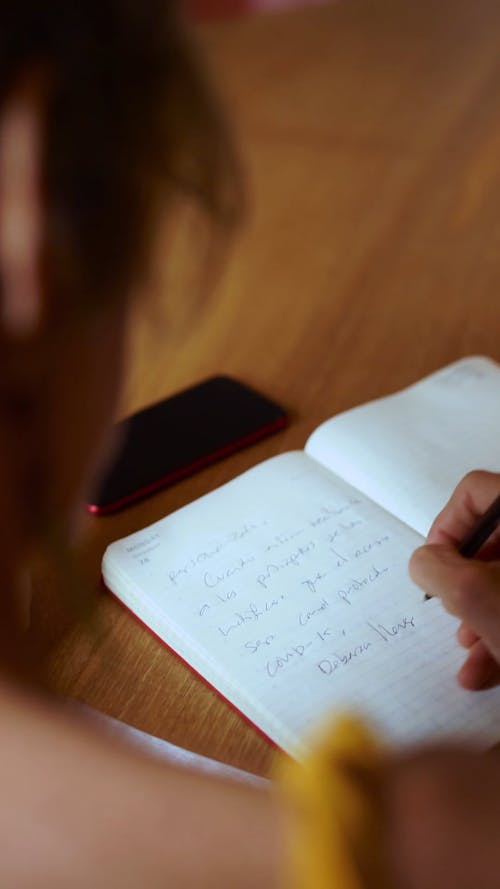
<point x="468" y="588"/>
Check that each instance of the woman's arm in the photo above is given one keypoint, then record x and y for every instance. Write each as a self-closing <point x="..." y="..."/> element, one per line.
<point x="79" y="810"/>
<point x="442" y="819"/>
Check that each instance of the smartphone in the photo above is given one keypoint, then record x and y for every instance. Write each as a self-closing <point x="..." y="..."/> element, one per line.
<point x="175" y="437"/>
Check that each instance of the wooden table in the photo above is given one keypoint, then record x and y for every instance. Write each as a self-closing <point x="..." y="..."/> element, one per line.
<point x="370" y="133"/>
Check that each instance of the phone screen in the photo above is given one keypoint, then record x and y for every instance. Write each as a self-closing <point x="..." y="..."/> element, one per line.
<point x="175" y="437"/>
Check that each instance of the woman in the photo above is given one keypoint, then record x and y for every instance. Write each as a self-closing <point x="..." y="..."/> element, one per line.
<point x="104" y="119"/>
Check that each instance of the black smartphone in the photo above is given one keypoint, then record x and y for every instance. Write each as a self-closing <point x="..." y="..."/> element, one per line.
<point x="175" y="437"/>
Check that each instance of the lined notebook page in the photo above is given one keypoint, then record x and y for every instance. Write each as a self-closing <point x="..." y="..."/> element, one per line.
<point x="408" y="451"/>
<point x="287" y="590"/>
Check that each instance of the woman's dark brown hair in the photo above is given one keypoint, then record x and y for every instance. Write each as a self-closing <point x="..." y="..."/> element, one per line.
<point x="130" y="121"/>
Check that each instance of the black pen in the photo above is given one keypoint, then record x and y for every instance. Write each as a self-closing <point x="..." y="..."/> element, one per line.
<point x="473" y="541"/>
<point x="479" y="533"/>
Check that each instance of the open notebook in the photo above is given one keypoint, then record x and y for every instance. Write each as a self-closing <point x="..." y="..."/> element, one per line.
<point x="287" y="588"/>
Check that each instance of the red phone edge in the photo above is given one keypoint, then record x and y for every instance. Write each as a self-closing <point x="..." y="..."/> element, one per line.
<point x="185" y="471"/>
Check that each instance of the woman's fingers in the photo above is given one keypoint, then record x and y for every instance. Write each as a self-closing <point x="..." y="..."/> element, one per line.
<point x="468" y="588"/>
<point x="466" y="636"/>
<point x="480" y="669"/>
<point x="470" y="499"/>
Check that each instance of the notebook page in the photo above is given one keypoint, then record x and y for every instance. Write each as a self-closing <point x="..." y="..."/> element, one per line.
<point x="408" y="451"/>
<point x="287" y="590"/>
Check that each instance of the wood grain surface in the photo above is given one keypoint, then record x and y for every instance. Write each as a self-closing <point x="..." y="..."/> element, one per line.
<point x="370" y="256"/>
